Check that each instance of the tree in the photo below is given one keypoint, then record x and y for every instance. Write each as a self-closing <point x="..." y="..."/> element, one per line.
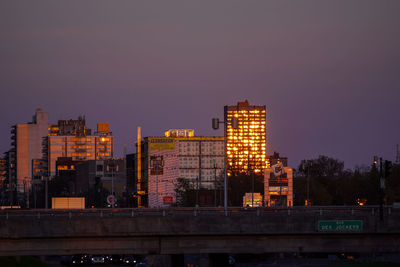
<point x="322" y="176"/>
<point x="323" y="166"/>
<point x="393" y="185"/>
<point x="185" y="193"/>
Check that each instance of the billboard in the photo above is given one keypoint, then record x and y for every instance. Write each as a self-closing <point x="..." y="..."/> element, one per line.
<point x="156" y="165"/>
<point x="161" y="143"/>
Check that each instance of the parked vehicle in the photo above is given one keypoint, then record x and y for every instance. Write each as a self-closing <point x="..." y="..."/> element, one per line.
<point x="77" y="260"/>
<point x="129" y="260"/>
<point x="116" y="259"/>
<point x="96" y="259"/>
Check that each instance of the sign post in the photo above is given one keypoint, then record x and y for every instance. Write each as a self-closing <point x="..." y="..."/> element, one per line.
<point x="111" y="200"/>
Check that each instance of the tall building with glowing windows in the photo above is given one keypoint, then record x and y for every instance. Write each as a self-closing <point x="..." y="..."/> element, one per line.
<point x="245" y="145"/>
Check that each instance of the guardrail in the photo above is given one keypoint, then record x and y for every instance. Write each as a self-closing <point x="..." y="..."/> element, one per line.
<point x="201" y="211"/>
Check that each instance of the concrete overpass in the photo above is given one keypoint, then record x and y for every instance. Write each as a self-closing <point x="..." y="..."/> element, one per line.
<point x="195" y="231"/>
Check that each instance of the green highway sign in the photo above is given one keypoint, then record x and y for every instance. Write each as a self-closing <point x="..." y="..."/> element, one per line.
<point x="340" y="226"/>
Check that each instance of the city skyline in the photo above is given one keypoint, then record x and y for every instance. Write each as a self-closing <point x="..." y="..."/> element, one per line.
<point x="326" y="72"/>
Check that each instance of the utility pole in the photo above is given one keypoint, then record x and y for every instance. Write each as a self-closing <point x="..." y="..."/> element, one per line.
<point x="27" y="200"/>
<point x="252" y="190"/>
<point x="34" y="194"/>
<point x="46" y="200"/>
<point x="225" y="174"/>
<point x="215" y="184"/>
<point x="308" y="186"/>
<point x="381" y="185"/>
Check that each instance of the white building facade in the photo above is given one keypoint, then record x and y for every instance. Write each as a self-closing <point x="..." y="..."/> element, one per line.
<point x="198" y="159"/>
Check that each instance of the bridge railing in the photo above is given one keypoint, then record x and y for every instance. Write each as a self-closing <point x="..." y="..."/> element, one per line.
<point x="199" y="211"/>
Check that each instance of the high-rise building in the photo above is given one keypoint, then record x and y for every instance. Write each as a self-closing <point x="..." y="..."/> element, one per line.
<point x="246" y="145"/>
<point x="73" y="139"/>
<point x="26" y="145"/>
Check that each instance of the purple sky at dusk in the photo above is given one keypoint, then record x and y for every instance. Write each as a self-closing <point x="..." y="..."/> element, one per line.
<point x="327" y="71"/>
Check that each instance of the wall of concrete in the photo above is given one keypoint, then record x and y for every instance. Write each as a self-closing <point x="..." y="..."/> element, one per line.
<point x="186" y="233"/>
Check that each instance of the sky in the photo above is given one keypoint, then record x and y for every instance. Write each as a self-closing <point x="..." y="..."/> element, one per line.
<point x="327" y="71"/>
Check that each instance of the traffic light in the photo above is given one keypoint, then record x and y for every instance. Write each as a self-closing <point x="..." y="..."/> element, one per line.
<point x="376" y="161"/>
<point x="215" y="123"/>
<point x="235" y="123"/>
<point x="388" y="168"/>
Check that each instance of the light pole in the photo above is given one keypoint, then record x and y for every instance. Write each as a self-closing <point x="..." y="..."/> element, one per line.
<point x="46" y="189"/>
<point x="307" y="166"/>
<point x="114" y="168"/>
<point x="215" y="125"/>
<point x="215" y="184"/>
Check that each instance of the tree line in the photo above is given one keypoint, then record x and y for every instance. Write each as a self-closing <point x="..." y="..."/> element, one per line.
<point x="323" y="180"/>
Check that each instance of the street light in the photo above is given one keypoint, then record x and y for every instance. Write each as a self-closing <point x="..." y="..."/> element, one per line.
<point x="215" y="125"/>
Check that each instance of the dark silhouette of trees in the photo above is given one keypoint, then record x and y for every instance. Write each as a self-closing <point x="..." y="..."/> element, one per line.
<point x="331" y="184"/>
<point x="241" y="184"/>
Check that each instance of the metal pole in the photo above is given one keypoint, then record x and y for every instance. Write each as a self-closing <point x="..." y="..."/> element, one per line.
<point x="215" y="184"/>
<point x="27" y="201"/>
<point x="24" y="182"/>
<point x="225" y="174"/>
<point x="46" y="201"/>
<point x="308" y="185"/>
<point x="112" y="185"/>
<point x="34" y="194"/>
<point x="252" y="190"/>
<point x="139" y="167"/>
<point x="380" y="191"/>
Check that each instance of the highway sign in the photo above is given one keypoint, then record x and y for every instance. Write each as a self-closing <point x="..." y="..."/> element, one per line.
<point x="340" y="226"/>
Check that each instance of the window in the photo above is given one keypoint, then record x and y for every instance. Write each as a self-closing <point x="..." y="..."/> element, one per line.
<point x="99" y="168"/>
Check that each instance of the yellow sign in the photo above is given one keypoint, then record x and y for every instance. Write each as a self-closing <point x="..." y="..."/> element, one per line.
<point x="160" y="143"/>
